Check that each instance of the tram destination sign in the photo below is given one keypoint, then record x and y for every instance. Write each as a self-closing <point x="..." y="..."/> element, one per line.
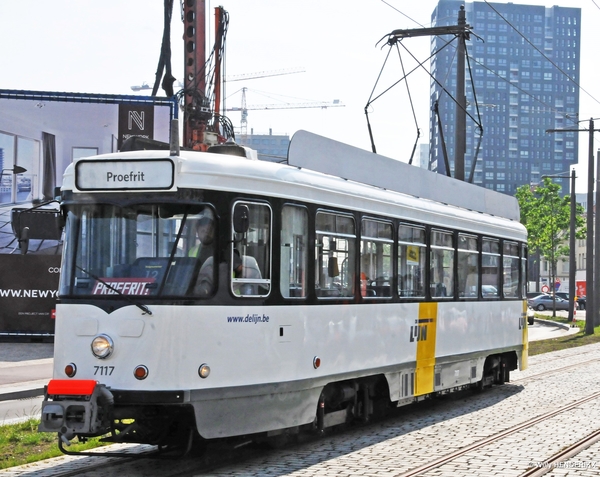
<point x="117" y="175"/>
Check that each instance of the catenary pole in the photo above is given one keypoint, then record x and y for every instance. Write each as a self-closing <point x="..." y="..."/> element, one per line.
<point x="460" y="124"/>
<point x="589" y="253"/>
<point x="591" y="312"/>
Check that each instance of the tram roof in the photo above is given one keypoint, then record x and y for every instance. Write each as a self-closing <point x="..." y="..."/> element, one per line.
<point x="311" y="151"/>
<point x="414" y="194"/>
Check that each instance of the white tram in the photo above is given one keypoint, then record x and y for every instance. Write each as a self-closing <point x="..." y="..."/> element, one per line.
<point x="317" y="300"/>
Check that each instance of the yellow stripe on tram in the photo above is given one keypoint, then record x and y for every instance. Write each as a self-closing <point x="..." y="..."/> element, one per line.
<point x="525" y="324"/>
<point x="424" y="333"/>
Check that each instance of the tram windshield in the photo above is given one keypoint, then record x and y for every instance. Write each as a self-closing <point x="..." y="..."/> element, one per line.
<point x="143" y="249"/>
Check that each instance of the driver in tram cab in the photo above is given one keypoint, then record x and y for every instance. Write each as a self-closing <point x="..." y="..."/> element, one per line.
<point x="204" y="251"/>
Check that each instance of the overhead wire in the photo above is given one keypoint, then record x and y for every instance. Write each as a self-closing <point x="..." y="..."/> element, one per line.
<point x="566" y="115"/>
<point x="391" y="41"/>
<point x="412" y="107"/>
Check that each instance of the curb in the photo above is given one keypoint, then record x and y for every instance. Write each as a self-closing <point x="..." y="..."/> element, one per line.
<point x="31" y="389"/>
<point x="564" y="326"/>
<point x="26" y="394"/>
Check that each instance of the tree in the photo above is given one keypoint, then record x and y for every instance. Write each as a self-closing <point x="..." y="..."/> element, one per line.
<point x="547" y="217"/>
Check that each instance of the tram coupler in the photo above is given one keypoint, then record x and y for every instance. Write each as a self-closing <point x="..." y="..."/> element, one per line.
<point x="76" y="408"/>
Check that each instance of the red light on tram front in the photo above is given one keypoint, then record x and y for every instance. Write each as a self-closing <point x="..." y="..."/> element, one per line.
<point x="140" y="372"/>
<point x="71" y="370"/>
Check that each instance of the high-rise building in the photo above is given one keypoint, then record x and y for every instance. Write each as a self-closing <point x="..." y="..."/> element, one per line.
<point x="524" y="71"/>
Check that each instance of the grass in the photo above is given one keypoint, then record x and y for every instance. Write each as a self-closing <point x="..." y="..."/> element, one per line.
<point x="564" y="342"/>
<point x="23" y="444"/>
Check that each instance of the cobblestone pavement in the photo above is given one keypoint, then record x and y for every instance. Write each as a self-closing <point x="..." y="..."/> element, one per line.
<point x="433" y="429"/>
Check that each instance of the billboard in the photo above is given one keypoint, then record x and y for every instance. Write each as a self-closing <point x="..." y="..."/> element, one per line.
<point x="41" y="133"/>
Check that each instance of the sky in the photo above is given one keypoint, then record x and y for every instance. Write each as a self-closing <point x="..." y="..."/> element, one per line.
<point x="108" y="46"/>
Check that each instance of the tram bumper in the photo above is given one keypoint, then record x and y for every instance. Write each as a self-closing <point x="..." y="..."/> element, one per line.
<point x="76" y="408"/>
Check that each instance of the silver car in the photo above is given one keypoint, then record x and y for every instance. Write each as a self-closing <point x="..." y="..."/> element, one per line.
<point x="544" y="302"/>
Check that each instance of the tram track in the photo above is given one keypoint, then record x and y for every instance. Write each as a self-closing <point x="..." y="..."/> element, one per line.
<point x="553" y="371"/>
<point x="568" y="452"/>
<point x="221" y="456"/>
<point x="574" y="449"/>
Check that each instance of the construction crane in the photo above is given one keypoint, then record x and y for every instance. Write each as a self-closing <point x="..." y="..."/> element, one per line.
<point x="264" y="74"/>
<point x="201" y="98"/>
<point x="244" y="108"/>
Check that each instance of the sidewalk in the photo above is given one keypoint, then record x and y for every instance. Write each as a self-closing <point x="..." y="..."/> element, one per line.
<point x="25" y="368"/>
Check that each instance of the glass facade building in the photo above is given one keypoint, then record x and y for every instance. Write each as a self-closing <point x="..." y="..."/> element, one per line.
<point x="525" y="73"/>
<point x="270" y="147"/>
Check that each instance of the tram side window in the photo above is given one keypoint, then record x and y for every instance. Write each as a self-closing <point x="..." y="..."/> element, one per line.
<point x="294" y="259"/>
<point x="441" y="277"/>
<point x="251" y="250"/>
<point x="335" y="251"/>
<point x="376" y="259"/>
<point x="411" y="261"/>
<point x="468" y="266"/>
<point x="490" y="272"/>
<point x="510" y="274"/>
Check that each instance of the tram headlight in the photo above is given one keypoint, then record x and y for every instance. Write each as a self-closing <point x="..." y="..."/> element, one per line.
<point x="204" y="370"/>
<point x="102" y="346"/>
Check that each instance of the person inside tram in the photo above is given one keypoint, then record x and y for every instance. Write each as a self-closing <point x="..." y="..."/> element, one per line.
<point x="204" y="251"/>
<point x="205" y="231"/>
<point x="247" y="267"/>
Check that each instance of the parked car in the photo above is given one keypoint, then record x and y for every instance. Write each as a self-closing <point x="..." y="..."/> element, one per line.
<point x="545" y="302"/>
<point x="533" y="294"/>
<point x="580" y="299"/>
<point x="489" y="291"/>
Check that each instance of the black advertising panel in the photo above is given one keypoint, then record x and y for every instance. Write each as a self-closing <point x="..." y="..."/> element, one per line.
<point x="135" y="120"/>
<point x="28" y="296"/>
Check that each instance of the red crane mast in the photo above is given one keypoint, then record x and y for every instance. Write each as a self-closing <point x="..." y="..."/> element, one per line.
<point x="203" y="124"/>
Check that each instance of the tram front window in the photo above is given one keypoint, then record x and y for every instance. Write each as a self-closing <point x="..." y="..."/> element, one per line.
<point x="144" y="250"/>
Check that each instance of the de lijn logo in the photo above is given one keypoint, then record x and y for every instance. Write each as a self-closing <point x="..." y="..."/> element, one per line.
<point x="418" y="332"/>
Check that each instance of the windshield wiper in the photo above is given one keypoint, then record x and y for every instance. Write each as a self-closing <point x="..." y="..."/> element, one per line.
<point x="163" y="282"/>
<point x="141" y="306"/>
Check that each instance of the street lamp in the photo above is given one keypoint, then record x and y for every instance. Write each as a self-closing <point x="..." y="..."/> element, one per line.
<point x="15" y="170"/>
<point x="572" y="287"/>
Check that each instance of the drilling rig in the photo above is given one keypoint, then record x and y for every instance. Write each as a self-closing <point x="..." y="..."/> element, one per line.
<point x="200" y="98"/>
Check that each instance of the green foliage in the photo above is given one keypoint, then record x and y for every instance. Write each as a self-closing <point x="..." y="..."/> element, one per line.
<point x="22" y="444"/>
<point x="547" y="217"/>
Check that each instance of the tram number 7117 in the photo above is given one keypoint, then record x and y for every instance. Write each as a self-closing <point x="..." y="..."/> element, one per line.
<point x="103" y="370"/>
